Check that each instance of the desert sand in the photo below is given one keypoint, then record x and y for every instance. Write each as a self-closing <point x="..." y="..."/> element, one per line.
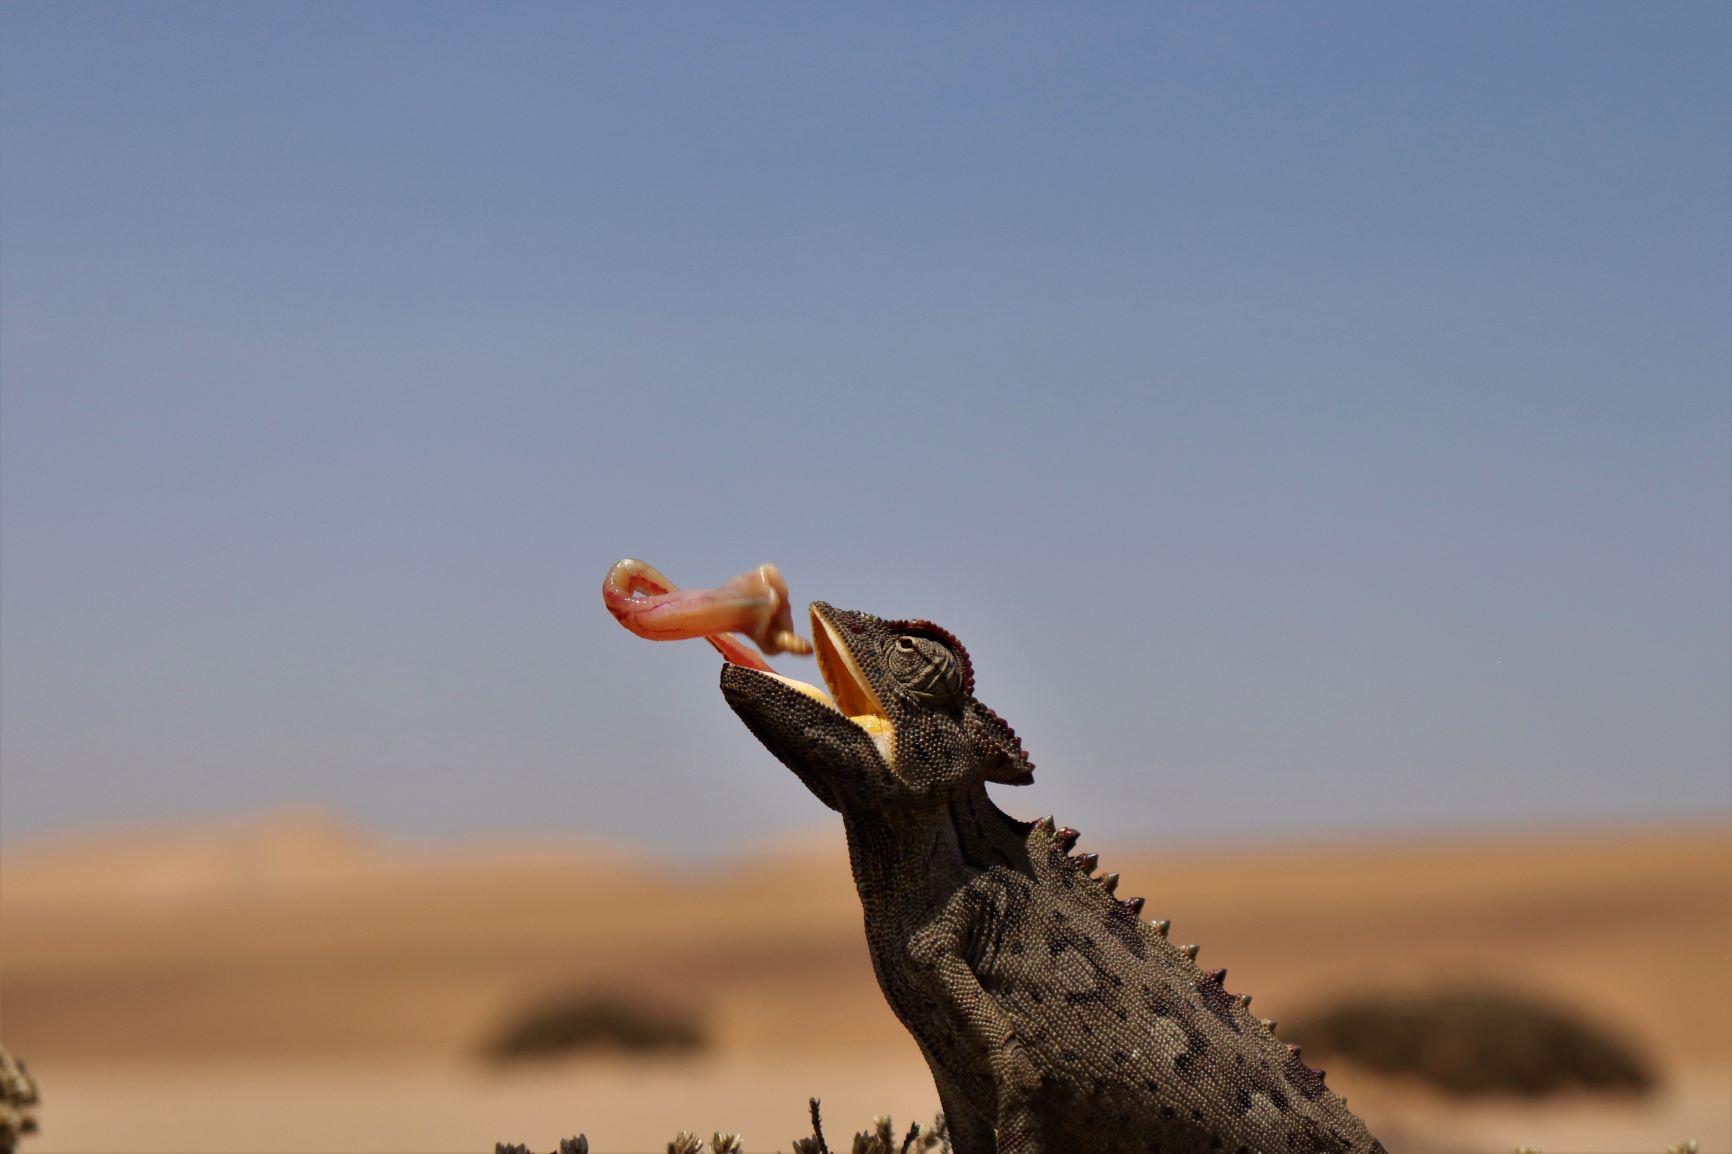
<point x="289" y="983"/>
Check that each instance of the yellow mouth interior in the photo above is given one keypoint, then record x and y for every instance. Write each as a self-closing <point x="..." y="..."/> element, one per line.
<point x="850" y="693"/>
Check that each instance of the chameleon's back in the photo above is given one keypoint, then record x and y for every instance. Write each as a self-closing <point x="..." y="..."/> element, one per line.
<point x="1137" y="1048"/>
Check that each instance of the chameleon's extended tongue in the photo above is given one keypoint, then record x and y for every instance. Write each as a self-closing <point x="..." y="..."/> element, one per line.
<point x="754" y="603"/>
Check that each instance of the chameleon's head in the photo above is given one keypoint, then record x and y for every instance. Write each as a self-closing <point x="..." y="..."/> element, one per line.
<point x="899" y="722"/>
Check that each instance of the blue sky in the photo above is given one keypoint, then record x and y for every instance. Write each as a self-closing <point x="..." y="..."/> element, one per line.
<point x="1315" y="421"/>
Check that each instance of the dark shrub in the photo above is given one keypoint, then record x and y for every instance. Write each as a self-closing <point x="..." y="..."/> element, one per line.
<point x="577" y="1022"/>
<point x="1475" y="1040"/>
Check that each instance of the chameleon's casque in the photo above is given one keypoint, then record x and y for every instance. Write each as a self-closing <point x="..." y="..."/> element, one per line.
<point x="1054" y="1019"/>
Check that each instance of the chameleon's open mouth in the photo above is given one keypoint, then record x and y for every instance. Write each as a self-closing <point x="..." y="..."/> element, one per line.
<point x="850" y="693"/>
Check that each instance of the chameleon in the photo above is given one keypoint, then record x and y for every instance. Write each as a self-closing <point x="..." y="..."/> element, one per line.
<point x="1053" y="1016"/>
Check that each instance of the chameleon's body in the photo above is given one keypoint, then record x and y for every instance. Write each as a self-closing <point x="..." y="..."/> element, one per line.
<point x="1054" y="1019"/>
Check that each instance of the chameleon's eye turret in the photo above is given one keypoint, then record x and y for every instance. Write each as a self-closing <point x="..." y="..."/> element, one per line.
<point x="926" y="670"/>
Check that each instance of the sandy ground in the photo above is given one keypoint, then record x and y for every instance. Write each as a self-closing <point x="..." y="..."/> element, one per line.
<point x="288" y="984"/>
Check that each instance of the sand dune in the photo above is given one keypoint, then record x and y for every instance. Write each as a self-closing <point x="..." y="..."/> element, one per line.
<point x="179" y="989"/>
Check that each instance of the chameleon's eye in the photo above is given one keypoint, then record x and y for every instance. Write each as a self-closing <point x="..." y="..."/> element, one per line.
<point x="925" y="670"/>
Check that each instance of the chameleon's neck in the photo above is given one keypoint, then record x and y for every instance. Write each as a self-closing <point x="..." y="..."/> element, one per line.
<point x="914" y="856"/>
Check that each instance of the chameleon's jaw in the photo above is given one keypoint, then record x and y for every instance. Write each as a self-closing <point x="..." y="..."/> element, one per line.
<point x="851" y="694"/>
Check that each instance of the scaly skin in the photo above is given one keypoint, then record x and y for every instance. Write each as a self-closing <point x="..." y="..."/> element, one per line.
<point x="1054" y="1019"/>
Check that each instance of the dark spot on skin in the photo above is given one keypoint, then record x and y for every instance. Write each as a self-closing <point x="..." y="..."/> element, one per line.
<point x="1302" y="1078"/>
<point x="1123" y="1014"/>
<point x="1126" y="932"/>
<point x="1120" y="1057"/>
<point x="1216" y="999"/>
